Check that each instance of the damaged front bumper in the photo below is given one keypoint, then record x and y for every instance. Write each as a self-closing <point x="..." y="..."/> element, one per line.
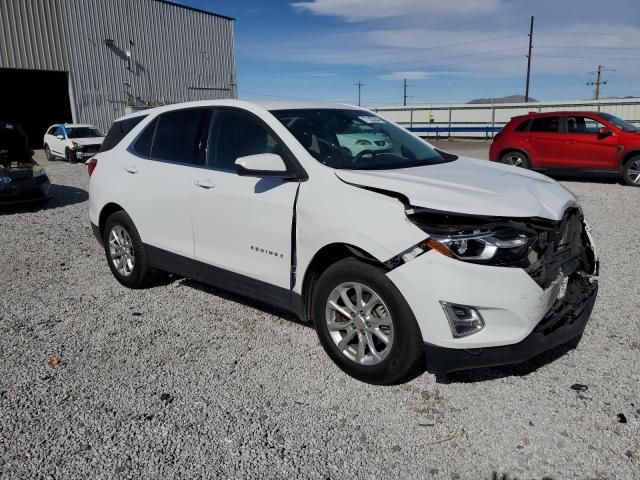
<point x="564" y="323"/>
<point x="504" y="314"/>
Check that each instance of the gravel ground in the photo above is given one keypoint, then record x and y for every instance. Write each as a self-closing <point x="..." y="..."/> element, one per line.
<point x="186" y="381"/>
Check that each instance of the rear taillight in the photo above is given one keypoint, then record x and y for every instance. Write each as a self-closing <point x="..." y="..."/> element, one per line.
<point x="91" y="165"/>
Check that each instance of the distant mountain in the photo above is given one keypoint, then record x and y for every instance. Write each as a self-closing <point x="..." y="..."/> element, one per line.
<point x="509" y="99"/>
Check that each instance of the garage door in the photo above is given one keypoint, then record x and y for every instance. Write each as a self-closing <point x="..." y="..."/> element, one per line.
<point x="35" y="99"/>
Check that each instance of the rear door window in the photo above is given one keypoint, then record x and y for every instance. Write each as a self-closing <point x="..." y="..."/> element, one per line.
<point x="119" y="130"/>
<point x="545" y="124"/>
<point x="178" y="136"/>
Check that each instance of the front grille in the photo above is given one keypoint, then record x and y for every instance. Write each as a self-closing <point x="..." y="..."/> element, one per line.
<point x="91" y="148"/>
<point x="559" y="249"/>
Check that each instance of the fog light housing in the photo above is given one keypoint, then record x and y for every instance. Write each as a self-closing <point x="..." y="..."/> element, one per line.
<point x="463" y="319"/>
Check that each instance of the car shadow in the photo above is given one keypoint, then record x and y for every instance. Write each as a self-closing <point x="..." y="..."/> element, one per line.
<point x="517" y="370"/>
<point x="61" y="196"/>
<point x="263" y="307"/>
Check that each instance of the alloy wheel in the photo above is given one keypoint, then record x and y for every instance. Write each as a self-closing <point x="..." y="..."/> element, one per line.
<point x="359" y="323"/>
<point x="634" y="172"/>
<point x="514" y="160"/>
<point x="121" y="250"/>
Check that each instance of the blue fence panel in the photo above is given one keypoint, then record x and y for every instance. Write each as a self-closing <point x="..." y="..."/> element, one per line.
<point x="438" y="130"/>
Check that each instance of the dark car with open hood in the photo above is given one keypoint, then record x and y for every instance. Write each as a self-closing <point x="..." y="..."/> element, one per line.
<point x="22" y="180"/>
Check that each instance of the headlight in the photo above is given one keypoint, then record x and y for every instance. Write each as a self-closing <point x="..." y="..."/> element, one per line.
<point x="363" y="142"/>
<point x="486" y="240"/>
<point x="75" y="144"/>
<point x="483" y="245"/>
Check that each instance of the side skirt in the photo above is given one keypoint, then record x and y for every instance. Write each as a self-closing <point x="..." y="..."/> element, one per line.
<point x="224" y="279"/>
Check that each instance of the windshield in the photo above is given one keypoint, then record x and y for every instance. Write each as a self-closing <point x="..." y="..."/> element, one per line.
<point x="621" y="124"/>
<point x="83" y="132"/>
<point x="356" y="139"/>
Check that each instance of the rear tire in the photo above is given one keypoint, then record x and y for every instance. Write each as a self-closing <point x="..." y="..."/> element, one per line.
<point x="631" y="171"/>
<point x="352" y="330"/>
<point x="516" y="159"/>
<point x="126" y="254"/>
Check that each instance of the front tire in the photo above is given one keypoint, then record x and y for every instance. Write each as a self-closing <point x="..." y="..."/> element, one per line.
<point x="364" y="324"/>
<point x="68" y="156"/>
<point x="631" y="171"/>
<point x="48" y="155"/>
<point x="516" y="159"/>
<point x="125" y="252"/>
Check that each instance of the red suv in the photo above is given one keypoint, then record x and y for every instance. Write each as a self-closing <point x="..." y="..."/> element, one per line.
<point x="570" y="140"/>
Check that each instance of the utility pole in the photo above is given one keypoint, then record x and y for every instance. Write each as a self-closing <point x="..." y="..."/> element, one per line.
<point x="598" y="82"/>
<point x="404" y="96"/>
<point x="360" y="85"/>
<point x="526" y="93"/>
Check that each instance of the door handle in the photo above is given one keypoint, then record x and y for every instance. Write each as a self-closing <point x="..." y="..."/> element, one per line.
<point x="131" y="169"/>
<point x="570" y="142"/>
<point x="204" y="183"/>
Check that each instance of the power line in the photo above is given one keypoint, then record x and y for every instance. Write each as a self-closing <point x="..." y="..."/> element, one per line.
<point x="411" y="49"/>
<point x="590" y="47"/>
<point x="619" y="34"/>
<point x="415" y="63"/>
<point x="589" y="57"/>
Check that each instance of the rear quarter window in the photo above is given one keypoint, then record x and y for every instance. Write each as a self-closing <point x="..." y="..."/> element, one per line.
<point x="523" y="126"/>
<point x="118" y="131"/>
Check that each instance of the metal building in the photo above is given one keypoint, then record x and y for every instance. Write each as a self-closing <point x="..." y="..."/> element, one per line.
<point x="93" y="60"/>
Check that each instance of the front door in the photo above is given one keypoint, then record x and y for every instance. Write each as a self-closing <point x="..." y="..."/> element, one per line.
<point x="585" y="148"/>
<point x="243" y="225"/>
<point x="58" y="141"/>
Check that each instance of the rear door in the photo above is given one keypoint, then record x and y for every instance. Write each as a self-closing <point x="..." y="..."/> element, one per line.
<point x="545" y="141"/>
<point x="156" y="176"/>
<point x="585" y="148"/>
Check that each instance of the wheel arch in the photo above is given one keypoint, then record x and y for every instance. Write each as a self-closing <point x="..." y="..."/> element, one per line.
<point x="628" y="156"/>
<point x="323" y="259"/>
<point x="108" y="210"/>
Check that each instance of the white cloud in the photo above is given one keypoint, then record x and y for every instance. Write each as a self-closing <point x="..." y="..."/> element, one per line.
<point x="361" y="10"/>
<point x="415" y="75"/>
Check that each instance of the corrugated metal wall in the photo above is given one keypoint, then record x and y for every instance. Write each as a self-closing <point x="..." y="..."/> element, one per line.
<point x="175" y="54"/>
<point x="31" y="35"/>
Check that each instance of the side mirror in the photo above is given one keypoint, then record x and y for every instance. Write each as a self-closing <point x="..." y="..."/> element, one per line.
<point x="604" y="132"/>
<point x="60" y="137"/>
<point x="264" y="165"/>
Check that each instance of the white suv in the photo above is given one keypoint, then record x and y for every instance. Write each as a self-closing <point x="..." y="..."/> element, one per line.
<point x="72" y="141"/>
<point x="393" y="255"/>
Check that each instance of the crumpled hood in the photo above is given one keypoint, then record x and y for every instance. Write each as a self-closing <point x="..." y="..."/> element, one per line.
<point x="88" y="141"/>
<point x="470" y="186"/>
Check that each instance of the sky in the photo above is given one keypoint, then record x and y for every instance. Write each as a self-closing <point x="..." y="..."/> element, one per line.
<point x="448" y="50"/>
